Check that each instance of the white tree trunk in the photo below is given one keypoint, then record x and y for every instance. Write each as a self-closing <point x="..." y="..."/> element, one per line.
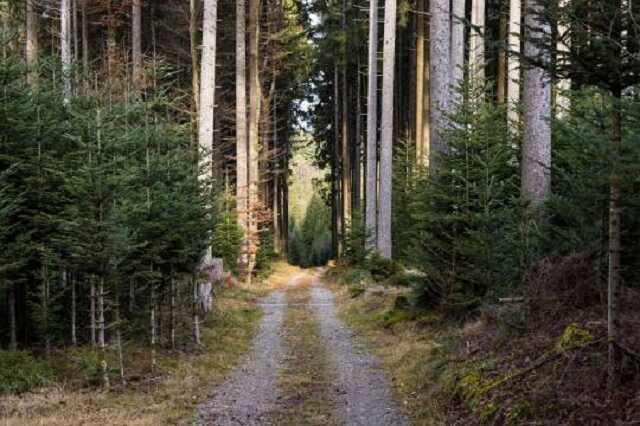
<point x="513" y="75"/>
<point x="476" y="42"/>
<point x="386" y="133"/>
<point x="420" y="82"/>
<point x="439" y="75"/>
<point x="255" y="99"/>
<point x="536" y="141"/>
<point x="136" y="41"/>
<point x="208" y="87"/>
<point x="371" y="190"/>
<point x="65" y="49"/>
<point x="32" y="50"/>
<point x="563" y="103"/>
<point x="242" y="166"/>
<point x="457" y="41"/>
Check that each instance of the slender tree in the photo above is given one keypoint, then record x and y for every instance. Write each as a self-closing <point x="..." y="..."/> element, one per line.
<point x="371" y="190"/>
<point x="476" y="43"/>
<point x="32" y="47"/>
<point x="513" y="62"/>
<point x="536" y="143"/>
<point x="386" y="134"/>
<point x="420" y="81"/>
<point x="65" y="48"/>
<point x="439" y="75"/>
<point x="457" y="40"/>
<point x="136" y="41"/>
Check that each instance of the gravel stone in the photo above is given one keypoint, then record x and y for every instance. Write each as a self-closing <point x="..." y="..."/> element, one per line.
<point x="363" y="393"/>
<point x="250" y="392"/>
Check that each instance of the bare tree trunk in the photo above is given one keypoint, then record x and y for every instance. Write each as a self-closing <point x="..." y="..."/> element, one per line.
<point x="357" y="158"/>
<point x="85" y="41"/>
<point x="242" y="160"/>
<point x="513" y="79"/>
<point x="92" y="310"/>
<point x="439" y="74"/>
<point x="255" y="99"/>
<point x="74" y="335"/>
<point x="101" y="339"/>
<point x="65" y="48"/>
<point x="336" y="162"/>
<point x="371" y="191"/>
<point x="420" y="81"/>
<point x="476" y="42"/>
<point x="196" y="318"/>
<point x="615" y="246"/>
<point x="13" y="335"/>
<point x="173" y="311"/>
<point x="346" y="152"/>
<point x="118" y="326"/>
<point x="153" y="323"/>
<point x="195" y="65"/>
<point x="457" y="41"/>
<point x="32" y="49"/>
<point x="386" y="135"/>
<point x="501" y="90"/>
<point x="563" y="103"/>
<point x="136" y="42"/>
<point x="536" y="142"/>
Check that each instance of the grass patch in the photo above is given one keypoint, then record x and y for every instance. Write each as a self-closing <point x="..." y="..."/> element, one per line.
<point x="167" y="397"/>
<point x="304" y="383"/>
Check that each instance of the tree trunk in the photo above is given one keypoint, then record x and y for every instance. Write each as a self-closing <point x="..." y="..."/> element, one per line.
<point x="92" y="310"/>
<point x="101" y="330"/>
<point x="242" y="165"/>
<point x="420" y="81"/>
<point x="439" y="73"/>
<point x="563" y="103"/>
<point x="476" y="41"/>
<point x="513" y="79"/>
<point x="136" y="41"/>
<point x="85" y="43"/>
<point x="195" y="64"/>
<point x="172" y="312"/>
<point x="615" y="226"/>
<point x="13" y="335"/>
<point x="357" y="157"/>
<point x="536" y="142"/>
<point x="74" y="335"/>
<point x="255" y="98"/>
<point x="371" y="191"/>
<point x="337" y="196"/>
<point x="346" y="151"/>
<point x="32" y="50"/>
<point x="501" y="81"/>
<point x="196" y="317"/>
<point x="118" y="326"/>
<point x="65" y="49"/>
<point x="457" y="41"/>
<point x="386" y="134"/>
<point x="152" y="322"/>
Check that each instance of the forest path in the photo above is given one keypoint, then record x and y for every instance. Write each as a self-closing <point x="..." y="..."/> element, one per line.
<point x="304" y="368"/>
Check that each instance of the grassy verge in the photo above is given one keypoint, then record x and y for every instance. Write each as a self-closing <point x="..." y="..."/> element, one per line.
<point x="304" y="382"/>
<point x="410" y="349"/>
<point x="166" y="397"/>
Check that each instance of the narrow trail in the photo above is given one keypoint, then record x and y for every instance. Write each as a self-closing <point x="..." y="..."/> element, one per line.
<point x="304" y="369"/>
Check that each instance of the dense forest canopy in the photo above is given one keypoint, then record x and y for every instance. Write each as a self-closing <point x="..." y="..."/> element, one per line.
<point x="492" y="148"/>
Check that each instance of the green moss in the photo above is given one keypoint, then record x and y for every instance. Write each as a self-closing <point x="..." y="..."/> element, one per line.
<point x="572" y="337"/>
<point x="395" y="316"/>
<point x="356" y="291"/>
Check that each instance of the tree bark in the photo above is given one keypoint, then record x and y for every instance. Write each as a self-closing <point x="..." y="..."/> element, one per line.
<point x="420" y="82"/>
<point x="563" y="103"/>
<point x="476" y="41"/>
<point x="386" y="134"/>
<point x="615" y="246"/>
<point x="74" y="335"/>
<point x="346" y="151"/>
<point x="513" y="78"/>
<point x="32" y="45"/>
<point x="255" y="99"/>
<point x="13" y="334"/>
<point x="136" y="41"/>
<point x="439" y="76"/>
<point x="92" y="310"/>
<point x="371" y="191"/>
<point x="501" y="90"/>
<point x="65" y="49"/>
<point x="536" y="142"/>
<point x="242" y="165"/>
<point x="458" y="13"/>
<point x="337" y="183"/>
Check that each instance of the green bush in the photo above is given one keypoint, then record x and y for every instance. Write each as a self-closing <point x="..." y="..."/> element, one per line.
<point x="21" y="372"/>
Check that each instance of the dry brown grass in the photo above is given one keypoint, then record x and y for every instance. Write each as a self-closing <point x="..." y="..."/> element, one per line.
<point x="404" y="350"/>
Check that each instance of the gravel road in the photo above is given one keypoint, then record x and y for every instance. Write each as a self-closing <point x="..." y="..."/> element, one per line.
<point x="250" y="392"/>
<point x="362" y="392"/>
